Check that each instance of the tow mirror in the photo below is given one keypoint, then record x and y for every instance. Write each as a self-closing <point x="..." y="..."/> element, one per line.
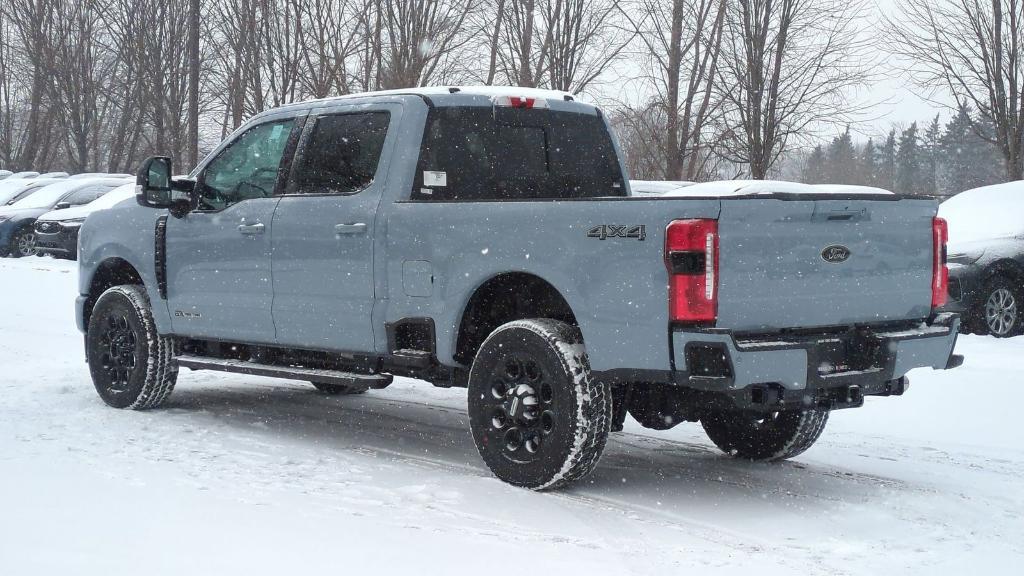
<point x="155" y="188"/>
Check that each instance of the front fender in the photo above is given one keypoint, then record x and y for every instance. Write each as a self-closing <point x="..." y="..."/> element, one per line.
<point x="125" y="232"/>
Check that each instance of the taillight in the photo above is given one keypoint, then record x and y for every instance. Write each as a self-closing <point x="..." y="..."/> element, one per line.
<point x="940" y="273"/>
<point x="691" y="255"/>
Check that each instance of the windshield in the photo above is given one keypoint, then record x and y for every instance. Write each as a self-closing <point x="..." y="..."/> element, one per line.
<point x="113" y="197"/>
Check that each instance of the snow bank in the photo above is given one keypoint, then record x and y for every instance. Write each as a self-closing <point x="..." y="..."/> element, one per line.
<point x="985" y="213"/>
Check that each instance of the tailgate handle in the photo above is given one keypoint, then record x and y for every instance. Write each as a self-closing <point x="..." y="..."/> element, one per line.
<point x="843" y="215"/>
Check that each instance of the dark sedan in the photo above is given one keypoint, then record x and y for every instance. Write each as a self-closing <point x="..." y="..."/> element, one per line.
<point x="986" y="286"/>
<point x="17" y="233"/>
<point x="986" y="258"/>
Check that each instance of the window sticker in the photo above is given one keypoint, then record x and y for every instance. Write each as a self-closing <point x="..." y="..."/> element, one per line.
<point x="275" y="132"/>
<point x="426" y="191"/>
<point x="434" y="178"/>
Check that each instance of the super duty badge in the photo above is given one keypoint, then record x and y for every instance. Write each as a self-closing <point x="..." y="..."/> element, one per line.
<point x="605" y="231"/>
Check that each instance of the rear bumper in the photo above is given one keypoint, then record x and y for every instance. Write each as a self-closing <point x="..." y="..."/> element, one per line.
<point x="812" y="368"/>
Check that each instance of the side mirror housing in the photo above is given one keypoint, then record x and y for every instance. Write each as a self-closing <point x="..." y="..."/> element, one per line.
<point x="155" y="188"/>
<point x="62" y="205"/>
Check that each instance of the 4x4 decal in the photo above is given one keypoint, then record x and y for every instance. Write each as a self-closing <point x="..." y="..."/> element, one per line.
<point x="605" y="231"/>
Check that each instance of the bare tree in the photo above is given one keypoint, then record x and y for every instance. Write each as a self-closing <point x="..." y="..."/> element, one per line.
<point x="789" y="67"/>
<point x="32" y="22"/>
<point x="420" y="40"/>
<point x="557" y="44"/>
<point x="681" y="42"/>
<point x="972" y="50"/>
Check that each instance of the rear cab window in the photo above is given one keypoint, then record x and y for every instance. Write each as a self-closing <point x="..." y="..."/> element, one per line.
<point x="490" y="153"/>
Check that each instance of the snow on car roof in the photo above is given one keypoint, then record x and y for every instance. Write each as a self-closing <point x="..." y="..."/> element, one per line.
<point x="985" y="213"/>
<point x="657" y="186"/>
<point x="108" y="200"/>
<point x="754" y="187"/>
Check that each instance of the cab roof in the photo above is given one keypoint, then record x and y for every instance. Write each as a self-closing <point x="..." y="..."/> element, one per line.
<point x="444" y="96"/>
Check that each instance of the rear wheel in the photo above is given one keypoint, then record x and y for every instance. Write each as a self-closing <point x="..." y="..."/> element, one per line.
<point x="338" y="389"/>
<point x="1000" y="308"/>
<point x="773" y="436"/>
<point x="131" y="364"/>
<point x="538" y="418"/>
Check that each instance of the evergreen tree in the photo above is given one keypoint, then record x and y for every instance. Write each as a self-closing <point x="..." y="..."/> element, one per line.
<point x="868" y="165"/>
<point x="842" y="161"/>
<point x="885" y="177"/>
<point x="968" y="160"/>
<point x="930" y="157"/>
<point x="814" y="171"/>
<point x="908" y="162"/>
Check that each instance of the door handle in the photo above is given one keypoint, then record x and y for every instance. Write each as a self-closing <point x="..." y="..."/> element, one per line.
<point x="356" y="228"/>
<point x="251" y="229"/>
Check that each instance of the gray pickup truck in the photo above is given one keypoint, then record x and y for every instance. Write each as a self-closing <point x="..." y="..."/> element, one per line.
<point x="487" y="238"/>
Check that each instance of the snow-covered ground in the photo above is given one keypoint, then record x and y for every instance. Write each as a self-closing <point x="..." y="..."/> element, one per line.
<point x="243" y="475"/>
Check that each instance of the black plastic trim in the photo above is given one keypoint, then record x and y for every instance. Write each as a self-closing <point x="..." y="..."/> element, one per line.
<point x="160" y="256"/>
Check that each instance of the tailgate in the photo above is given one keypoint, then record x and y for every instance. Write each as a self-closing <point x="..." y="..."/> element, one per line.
<point x="782" y="261"/>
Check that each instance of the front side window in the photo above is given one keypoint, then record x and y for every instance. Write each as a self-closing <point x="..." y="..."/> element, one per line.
<point x="342" y="154"/>
<point x="247" y="168"/>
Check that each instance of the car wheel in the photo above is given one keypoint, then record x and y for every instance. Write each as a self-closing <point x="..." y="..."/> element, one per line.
<point x="131" y="364"/>
<point x="1001" y="308"/>
<point x="773" y="436"/>
<point x="23" y="244"/>
<point x="338" y="389"/>
<point x="538" y="418"/>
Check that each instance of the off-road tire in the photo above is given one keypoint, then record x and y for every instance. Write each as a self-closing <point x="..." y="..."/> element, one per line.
<point x="770" y="437"/>
<point x="545" y="366"/>
<point x="122" y="325"/>
<point x="985" y="323"/>
<point x="338" y="389"/>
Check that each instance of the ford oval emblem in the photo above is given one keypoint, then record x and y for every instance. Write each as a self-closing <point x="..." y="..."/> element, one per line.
<point x="835" y="254"/>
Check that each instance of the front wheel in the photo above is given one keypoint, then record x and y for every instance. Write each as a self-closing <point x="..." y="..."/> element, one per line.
<point x="538" y="418"/>
<point x="773" y="436"/>
<point x="23" y="244"/>
<point x="131" y="364"/>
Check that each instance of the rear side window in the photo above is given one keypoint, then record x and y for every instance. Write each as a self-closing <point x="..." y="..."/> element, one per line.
<point x="341" y="154"/>
<point x="468" y="154"/>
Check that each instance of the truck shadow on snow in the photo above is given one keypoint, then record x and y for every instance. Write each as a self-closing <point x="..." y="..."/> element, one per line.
<point x="435" y="433"/>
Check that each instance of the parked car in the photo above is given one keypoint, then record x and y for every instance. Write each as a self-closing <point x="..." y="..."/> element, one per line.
<point x="485" y="238"/>
<point x="57" y="230"/>
<point x="17" y="235"/>
<point x="986" y="258"/>
<point x="14" y="189"/>
<point x="24" y="175"/>
<point x="54" y="175"/>
<point x="5" y="174"/>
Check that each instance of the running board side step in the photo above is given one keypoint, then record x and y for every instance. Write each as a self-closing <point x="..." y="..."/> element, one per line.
<point x="288" y="372"/>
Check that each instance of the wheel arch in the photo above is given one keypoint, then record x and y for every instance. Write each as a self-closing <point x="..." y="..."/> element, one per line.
<point x="500" y="299"/>
<point x="110" y="272"/>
